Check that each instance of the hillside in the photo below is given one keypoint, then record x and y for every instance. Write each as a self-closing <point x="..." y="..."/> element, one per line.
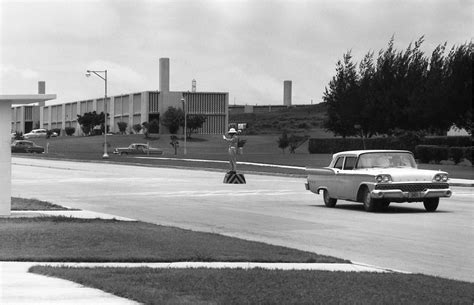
<point x="307" y="119"/>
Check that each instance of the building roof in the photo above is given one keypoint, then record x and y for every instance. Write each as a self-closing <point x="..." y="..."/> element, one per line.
<point x="26" y="98"/>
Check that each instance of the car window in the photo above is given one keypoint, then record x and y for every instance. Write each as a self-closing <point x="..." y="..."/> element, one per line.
<point x="339" y="163"/>
<point x="386" y="159"/>
<point x="350" y="163"/>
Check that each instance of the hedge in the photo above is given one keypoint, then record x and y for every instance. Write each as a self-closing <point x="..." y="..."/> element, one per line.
<point x="407" y="142"/>
<point x="333" y="145"/>
<point x="428" y="153"/>
<point x="457" y="141"/>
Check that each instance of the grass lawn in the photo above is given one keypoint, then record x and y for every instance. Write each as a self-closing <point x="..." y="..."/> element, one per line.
<point x="69" y="239"/>
<point x="22" y="204"/>
<point x="259" y="148"/>
<point x="82" y="240"/>
<point x="258" y="286"/>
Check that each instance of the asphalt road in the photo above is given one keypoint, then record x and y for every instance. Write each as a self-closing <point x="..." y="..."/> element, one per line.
<point x="272" y="209"/>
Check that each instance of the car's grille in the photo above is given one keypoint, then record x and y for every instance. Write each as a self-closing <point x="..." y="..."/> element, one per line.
<point x="411" y="187"/>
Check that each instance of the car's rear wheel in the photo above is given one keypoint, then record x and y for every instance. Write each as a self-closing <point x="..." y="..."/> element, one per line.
<point x="123" y="153"/>
<point x="328" y="201"/>
<point x="370" y="204"/>
<point x="431" y="204"/>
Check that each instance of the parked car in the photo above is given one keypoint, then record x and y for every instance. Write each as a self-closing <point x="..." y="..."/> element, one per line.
<point x="376" y="178"/>
<point x="23" y="146"/>
<point x="39" y="133"/>
<point x="136" y="149"/>
<point x="36" y="133"/>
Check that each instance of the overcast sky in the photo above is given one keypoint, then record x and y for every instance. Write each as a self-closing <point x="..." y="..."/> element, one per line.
<point x="246" y="48"/>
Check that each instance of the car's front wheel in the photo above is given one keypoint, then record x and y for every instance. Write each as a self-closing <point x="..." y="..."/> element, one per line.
<point x="370" y="204"/>
<point x="431" y="204"/>
<point x="328" y="201"/>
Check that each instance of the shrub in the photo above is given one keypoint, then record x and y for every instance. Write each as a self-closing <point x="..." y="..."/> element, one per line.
<point x="137" y="128"/>
<point x="146" y="129"/>
<point x="457" y="153"/>
<point x="122" y="127"/>
<point x="468" y="153"/>
<point x="283" y="141"/>
<point x="18" y="135"/>
<point x="427" y="153"/>
<point x="86" y="129"/>
<point x="440" y="153"/>
<point x="154" y="126"/>
<point x="70" y="131"/>
<point x="424" y="153"/>
<point x="296" y="141"/>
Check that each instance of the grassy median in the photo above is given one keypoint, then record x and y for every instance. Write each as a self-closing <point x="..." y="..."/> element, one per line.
<point x="258" y="286"/>
<point x="96" y="240"/>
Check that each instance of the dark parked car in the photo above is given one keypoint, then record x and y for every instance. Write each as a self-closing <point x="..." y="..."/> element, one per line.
<point x="137" y="149"/>
<point x="22" y="146"/>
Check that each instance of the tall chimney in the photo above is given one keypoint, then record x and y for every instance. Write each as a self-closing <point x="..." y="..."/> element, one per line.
<point x="41" y="87"/>
<point x="41" y="90"/>
<point x="287" y="93"/>
<point x="164" y="74"/>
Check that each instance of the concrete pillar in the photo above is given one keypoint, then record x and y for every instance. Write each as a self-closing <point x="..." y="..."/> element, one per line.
<point x="164" y="75"/>
<point x="287" y="93"/>
<point x="111" y="111"/>
<point x="63" y="118"/>
<point x="22" y="118"/>
<point x="145" y="96"/>
<point x="5" y="158"/>
<point x="130" y="112"/>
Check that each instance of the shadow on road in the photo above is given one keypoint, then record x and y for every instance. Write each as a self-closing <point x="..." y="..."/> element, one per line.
<point x="389" y="210"/>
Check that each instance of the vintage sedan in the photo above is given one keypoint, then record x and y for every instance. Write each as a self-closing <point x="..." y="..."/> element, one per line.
<point x="36" y="133"/>
<point x="22" y="146"/>
<point x="39" y="133"/>
<point x="376" y="178"/>
<point x="137" y="149"/>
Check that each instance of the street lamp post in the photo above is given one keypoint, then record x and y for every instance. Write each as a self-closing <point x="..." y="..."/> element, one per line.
<point x="97" y="73"/>
<point x="185" y="123"/>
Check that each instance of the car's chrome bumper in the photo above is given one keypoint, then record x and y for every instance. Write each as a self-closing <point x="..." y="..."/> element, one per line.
<point x="399" y="194"/>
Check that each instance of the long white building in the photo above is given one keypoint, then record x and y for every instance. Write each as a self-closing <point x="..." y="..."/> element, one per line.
<point x="132" y="108"/>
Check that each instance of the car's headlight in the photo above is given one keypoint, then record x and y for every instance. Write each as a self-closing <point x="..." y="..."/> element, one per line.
<point x="440" y="178"/>
<point x="383" y="178"/>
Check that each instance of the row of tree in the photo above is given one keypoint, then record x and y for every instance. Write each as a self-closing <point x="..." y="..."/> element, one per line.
<point x="401" y="91"/>
<point x="173" y="119"/>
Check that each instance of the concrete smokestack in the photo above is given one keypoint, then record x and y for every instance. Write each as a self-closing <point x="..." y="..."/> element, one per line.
<point x="41" y="90"/>
<point x="287" y="93"/>
<point x="164" y="75"/>
<point x="41" y="87"/>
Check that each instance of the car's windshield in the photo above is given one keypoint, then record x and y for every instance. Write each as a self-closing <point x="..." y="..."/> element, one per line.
<point x="386" y="159"/>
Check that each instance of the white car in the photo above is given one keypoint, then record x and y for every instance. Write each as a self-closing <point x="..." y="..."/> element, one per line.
<point x="376" y="178"/>
<point x="36" y="133"/>
<point x="39" y="133"/>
